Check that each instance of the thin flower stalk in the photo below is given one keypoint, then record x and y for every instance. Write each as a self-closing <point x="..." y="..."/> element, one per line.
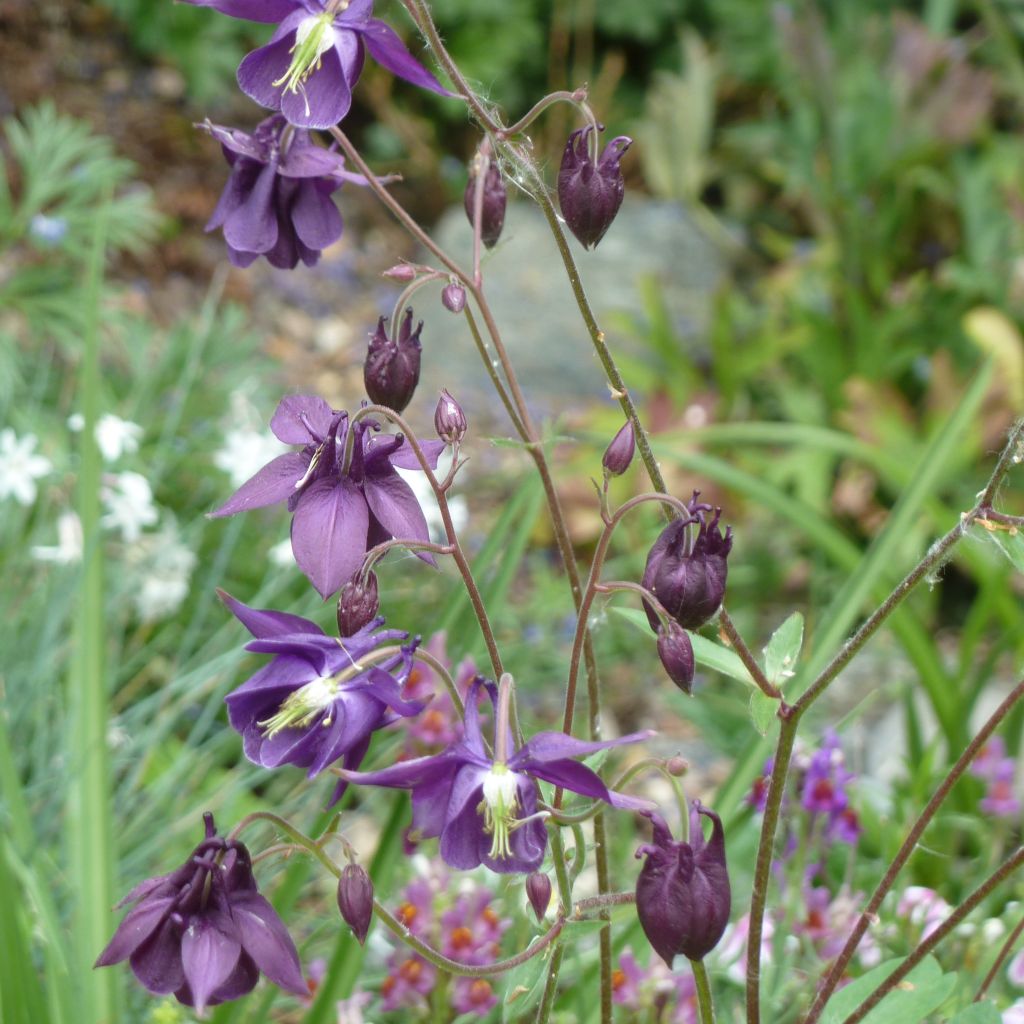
<point x="1001" y="957"/>
<point x="745" y="655"/>
<point x="700" y="977"/>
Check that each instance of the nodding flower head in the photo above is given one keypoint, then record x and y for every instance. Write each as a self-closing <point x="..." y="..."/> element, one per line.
<point x="392" y="368"/>
<point x="682" y="892"/>
<point x="590" y="193"/>
<point x="492" y="213"/>
<point x="203" y="932"/>
<point x="687" y="573"/>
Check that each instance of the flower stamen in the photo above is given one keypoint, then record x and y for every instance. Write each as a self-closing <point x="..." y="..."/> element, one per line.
<point x="313" y="38"/>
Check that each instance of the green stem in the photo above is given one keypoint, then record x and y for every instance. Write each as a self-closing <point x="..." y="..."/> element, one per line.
<point x="547" y="1000"/>
<point x="700" y="977"/>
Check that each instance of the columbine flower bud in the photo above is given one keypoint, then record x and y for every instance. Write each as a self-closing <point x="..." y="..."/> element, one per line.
<point x="453" y="298"/>
<point x="676" y="653"/>
<point x="682" y="892"/>
<point x="400" y="272"/>
<point x="688" y="575"/>
<point x="619" y="454"/>
<point x="355" y="900"/>
<point x="392" y="368"/>
<point x="590" y="194"/>
<point x="449" y="419"/>
<point x="492" y="215"/>
<point x="538" y="892"/>
<point x="358" y="604"/>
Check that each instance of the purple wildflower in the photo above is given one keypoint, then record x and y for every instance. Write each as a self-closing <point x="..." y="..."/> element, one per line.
<point x="316" y="54"/>
<point x="823" y="790"/>
<point x="473" y="995"/>
<point x="439" y="726"/>
<point x="590" y="193"/>
<point x="922" y="907"/>
<point x="277" y="202"/>
<point x="999" y="771"/>
<point x="203" y="932"/>
<point x="391" y="370"/>
<point x="484" y="807"/>
<point x="339" y="511"/>
<point x="314" y="703"/>
<point x="409" y="982"/>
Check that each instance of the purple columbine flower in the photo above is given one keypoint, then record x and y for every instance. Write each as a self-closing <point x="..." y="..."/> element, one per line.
<point x="315" y="703"/>
<point x="686" y="574"/>
<point x="340" y="511"/>
<point x="392" y="367"/>
<point x="483" y="806"/>
<point x="590" y="193"/>
<point x="999" y="772"/>
<point x="682" y="892"/>
<point x="277" y="202"/>
<point x="316" y="54"/>
<point x="203" y="932"/>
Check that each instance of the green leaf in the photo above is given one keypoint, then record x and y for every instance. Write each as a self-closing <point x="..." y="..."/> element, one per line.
<point x="524" y="987"/>
<point x="783" y="650"/>
<point x="1010" y="544"/>
<point x="977" y="1013"/>
<point x="762" y="711"/>
<point x="706" y="652"/>
<point x="923" y="990"/>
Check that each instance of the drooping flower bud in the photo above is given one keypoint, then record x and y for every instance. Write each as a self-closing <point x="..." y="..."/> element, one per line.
<point x="355" y="900"/>
<point x="358" y="604"/>
<point x="400" y="272"/>
<point x="619" y="454"/>
<point x="453" y="298"/>
<point x="538" y="892"/>
<point x="449" y="419"/>
<point x="492" y="214"/>
<point x="682" y="892"/>
<point x="392" y="368"/>
<point x="688" y="575"/>
<point x="590" y="194"/>
<point x="676" y="653"/>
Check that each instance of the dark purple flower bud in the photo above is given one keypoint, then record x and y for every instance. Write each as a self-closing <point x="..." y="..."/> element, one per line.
<point x="676" y="653"/>
<point x="492" y="215"/>
<point x="590" y="194"/>
<point x="203" y="932"/>
<point x="453" y="298"/>
<point x="619" y="454"/>
<point x="392" y="368"/>
<point x="358" y="604"/>
<point x="538" y="892"/>
<point x="355" y="900"/>
<point x="449" y="419"/>
<point x="686" y="574"/>
<point x="682" y="892"/>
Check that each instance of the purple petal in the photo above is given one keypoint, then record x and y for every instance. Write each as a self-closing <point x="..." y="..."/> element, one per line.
<point x="352" y="760"/>
<point x="405" y="457"/>
<point x="240" y="982"/>
<point x="251" y="10"/>
<point x="264" y="691"/>
<point x="430" y="801"/>
<point x="266" y="65"/>
<point x="266" y="940"/>
<point x="527" y="842"/>
<point x="554" y="746"/>
<point x="235" y="142"/>
<point x="138" y="925"/>
<point x="407" y="774"/>
<point x="273" y="483"/>
<point x="383" y="687"/>
<point x="472" y="737"/>
<point x="387" y="49"/>
<point x="252" y="226"/>
<point x="314" y="216"/>
<point x="301" y="419"/>
<point x="208" y="957"/>
<point x="307" y="160"/>
<point x="394" y="504"/>
<point x="325" y="97"/>
<point x="571" y="775"/>
<point x="329" y="533"/>
<point x="157" y="961"/>
<point x="238" y="188"/>
<point x="464" y="843"/>
<point x="262" y="622"/>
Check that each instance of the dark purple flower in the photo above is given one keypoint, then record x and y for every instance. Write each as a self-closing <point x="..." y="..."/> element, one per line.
<point x="682" y="892"/>
<point x="676" y="653"/>
<point x="538" y="892"/>
<point x="392" y="368"/>
<point x="358" y="604"/>
<point x="688" y="575"/>
<point x="484" y="807"/>
<point x="203" y="932"/>
<point x="449" y="419"/>
<point x="316" y="54"/>
<point x="277" y="202"/>
<point x="619" y="453"/>
<point x="590" y="193"/>
<point x="492" y="213"/>
<point x="340" y="512"/>
<point x="315" y="703"/>
<point x="355" y="900"/>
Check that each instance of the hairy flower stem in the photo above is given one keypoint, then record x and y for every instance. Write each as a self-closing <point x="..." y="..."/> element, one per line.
<point x="1007" y="868"/>
<point x="547" y="1000"/>
<point x="1004" y="951"/>
<point x="576" y="98"/>
<point x="700" y="977"/>
<point x="910" y="843"/>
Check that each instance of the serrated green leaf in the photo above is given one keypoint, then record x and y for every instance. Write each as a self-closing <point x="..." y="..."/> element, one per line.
<point x="762" y="711"/>
<point x="706" y="652"/>
<point x="977" y="1013"/>
<point x="783" y="649"/>
<point x="923" y="990"/>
